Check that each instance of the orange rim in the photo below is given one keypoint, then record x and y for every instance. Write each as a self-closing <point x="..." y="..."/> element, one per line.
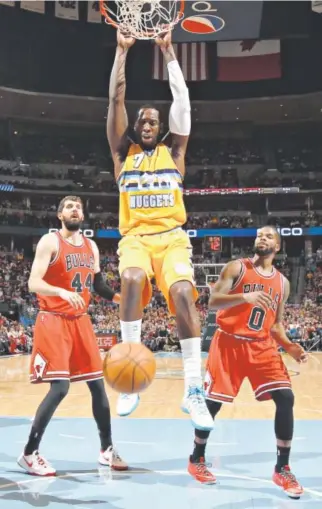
<point x="149" y="33"/>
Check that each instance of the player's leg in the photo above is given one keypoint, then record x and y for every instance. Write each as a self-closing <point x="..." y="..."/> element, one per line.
<point x="49" y="363"/>
<point x="136" y="291"/>
<point x="174" y="276"/>
<point x="86" y="365"/>
<point x="101" y="411"/>
<point x="270" y="380"/>
<point x="223" y="379"/>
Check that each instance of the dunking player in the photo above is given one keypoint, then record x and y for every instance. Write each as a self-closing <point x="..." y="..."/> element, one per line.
<point x="152" y="212"/>
<point x="65" y="268"/>
<point x="250" y="296"/>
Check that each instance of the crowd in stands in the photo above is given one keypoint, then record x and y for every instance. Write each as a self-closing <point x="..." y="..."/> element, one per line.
<point x="303" y="323"/>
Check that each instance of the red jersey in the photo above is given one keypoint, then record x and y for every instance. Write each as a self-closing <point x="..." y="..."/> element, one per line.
<point x="72" y="268"/>
<point x="246" y="320"/>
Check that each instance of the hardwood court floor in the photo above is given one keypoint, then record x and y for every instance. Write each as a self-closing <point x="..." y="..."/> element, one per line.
<point x="162" y="399"/>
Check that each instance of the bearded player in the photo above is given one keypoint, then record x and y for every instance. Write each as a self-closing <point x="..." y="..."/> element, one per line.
<point x="250" y="296"/>
<point x="151" y="215"/>
<point x="65" y="269"/>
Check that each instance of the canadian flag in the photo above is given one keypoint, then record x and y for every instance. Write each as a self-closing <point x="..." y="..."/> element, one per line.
<point x="249" y="60"/>
<point x="192" y="58"/>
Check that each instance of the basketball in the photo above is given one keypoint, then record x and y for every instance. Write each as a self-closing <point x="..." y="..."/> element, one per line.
<point x="129" y="367"/>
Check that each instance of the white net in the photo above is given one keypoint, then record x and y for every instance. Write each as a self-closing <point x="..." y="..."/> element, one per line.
<point x="143" y="20"/>
<point x="206" y="274"/>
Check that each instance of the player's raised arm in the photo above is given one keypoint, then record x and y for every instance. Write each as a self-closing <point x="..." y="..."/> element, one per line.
<point x="99" y="285"/>
<point x="220" y="297"/>
<point x="180" y="111"/>
<point x="117" y="121"/>
<point x="279" y="334"/>
<point x="46" y="249"/>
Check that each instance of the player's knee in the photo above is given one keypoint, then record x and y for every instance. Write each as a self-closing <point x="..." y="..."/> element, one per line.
<point x="133" y="277"/>
<point x="283" y="399"/>
<point x="59" y="389"/>
<point x="182" y="294"/>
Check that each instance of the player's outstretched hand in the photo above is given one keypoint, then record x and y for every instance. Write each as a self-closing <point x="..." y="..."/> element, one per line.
<point x="297" y="352"/>
<point x="73" y="298"/>
<point x="125" y="41"/>
<point x="258" y="298"/>
<point x="164" y="40"/>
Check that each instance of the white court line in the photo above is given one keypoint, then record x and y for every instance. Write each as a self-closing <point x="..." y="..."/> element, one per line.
<point x="162" y="472"/>
<point x="135" y="443"/>
<point x="222" y="443"/>
<point x="71" y="436"/>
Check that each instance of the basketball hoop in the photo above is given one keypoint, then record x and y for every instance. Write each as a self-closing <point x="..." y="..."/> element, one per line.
<point x="140" y="19"/>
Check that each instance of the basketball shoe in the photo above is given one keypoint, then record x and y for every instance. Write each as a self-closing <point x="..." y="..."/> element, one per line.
<point x="194" y="403"/>
<point x="200" y="471"/>
<point x="288" y="482"/>
<point x="34" y="464"/>
<point x="126" y="404"/>
<point x="111" y="458"/>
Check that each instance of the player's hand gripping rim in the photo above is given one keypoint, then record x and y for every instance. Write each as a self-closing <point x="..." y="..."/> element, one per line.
<point x="74" y="299"/>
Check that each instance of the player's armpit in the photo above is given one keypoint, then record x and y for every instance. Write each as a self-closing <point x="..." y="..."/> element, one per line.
<point x="45" y="252"/>
<point x="220" y="298"/>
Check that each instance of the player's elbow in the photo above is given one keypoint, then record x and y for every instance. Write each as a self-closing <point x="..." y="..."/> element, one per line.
<point x="32" y="284"/>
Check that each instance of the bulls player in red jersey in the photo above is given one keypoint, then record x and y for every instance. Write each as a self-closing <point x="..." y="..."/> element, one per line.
<point x="250" y="296"/>
<point x="65" y="269"/>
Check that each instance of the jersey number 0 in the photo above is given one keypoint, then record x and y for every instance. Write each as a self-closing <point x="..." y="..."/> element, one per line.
<point x="256" y="318"/>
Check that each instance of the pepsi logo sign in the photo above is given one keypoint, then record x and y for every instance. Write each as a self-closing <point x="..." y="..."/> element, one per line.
<point x="205" y="21"/>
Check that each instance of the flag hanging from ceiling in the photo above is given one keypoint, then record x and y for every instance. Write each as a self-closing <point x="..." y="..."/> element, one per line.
<point x="249" y="60"/>
<point x="93" y="12"/>
<point x="66" y="10"/>
<point x="317" y="6"/>
<point x="192" y="57"/>
<point x="35" y="5"/>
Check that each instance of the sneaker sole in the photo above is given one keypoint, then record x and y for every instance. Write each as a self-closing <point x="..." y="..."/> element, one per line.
<point x="131" y="411"/>
<point x="290" y="495"/>
<point x="194" y="424"/>
<point x="34" y="474"/>
<point x="209" y="483"/>
<point x="118" y="469"/>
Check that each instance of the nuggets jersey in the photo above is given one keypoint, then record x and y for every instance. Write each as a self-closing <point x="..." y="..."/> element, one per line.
<point x="72" y="268"/>
<point x="151" y="192"/>
<point x="246" y="320"/>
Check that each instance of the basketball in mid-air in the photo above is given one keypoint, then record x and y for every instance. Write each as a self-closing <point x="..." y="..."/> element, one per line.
<point x="129" y="367"/>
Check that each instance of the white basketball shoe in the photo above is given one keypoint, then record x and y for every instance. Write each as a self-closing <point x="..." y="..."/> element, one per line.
<point x="34" y="464"/>
<point x="194" y="403"/>
<point x="126" y="404"/>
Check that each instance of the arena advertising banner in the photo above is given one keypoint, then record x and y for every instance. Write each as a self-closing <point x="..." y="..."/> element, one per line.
<point x="193" y="234"/>
<point x="226" y="232"/>
<point x="105" y="340"/>
<point x="217" y="21"/>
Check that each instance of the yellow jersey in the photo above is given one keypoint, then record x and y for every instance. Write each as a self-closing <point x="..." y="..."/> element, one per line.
<point x="151" y="192"/>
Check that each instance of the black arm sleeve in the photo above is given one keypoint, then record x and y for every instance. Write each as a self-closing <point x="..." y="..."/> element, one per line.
<point x="101" y="287"/>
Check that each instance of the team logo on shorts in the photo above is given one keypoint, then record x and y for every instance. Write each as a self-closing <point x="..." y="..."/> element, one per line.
<point x="39" y="366"/>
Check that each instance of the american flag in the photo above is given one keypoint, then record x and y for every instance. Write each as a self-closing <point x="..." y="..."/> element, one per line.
<point x="192" y="57"/>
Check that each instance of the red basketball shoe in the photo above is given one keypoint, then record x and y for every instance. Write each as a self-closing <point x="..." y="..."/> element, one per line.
<point x="200" y="472"/>
<point x="288" y="482"/>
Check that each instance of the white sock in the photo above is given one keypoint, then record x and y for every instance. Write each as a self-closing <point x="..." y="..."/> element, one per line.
<point x="191" y="355"/>
<point x="131" y="331"/>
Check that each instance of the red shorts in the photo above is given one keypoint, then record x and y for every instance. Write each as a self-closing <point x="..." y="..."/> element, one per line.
<point x="64" y="348"/>
<point x="231" y="360"/>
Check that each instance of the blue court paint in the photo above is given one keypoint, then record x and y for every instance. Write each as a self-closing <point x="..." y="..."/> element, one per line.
<point x="244" y="461"/>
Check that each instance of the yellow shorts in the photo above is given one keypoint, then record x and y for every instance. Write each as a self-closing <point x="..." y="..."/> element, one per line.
<point x="165" y="256"/>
